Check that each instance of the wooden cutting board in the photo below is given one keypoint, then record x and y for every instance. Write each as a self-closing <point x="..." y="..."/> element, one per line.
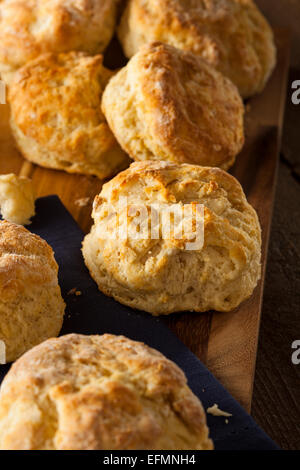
<point x="227" y="343"/>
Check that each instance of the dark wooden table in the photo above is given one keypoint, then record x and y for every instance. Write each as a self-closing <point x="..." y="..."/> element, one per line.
<point x="276" y="398"/>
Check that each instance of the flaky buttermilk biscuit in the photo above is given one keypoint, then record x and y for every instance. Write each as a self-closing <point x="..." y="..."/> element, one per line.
<point x="29" y="28"/>
<point x="232" y="35"/>
<point x="168" y="104"/>
<point x="99" y="392"/>
<point x="161" y="275"/>
<point x="31" y="305"/>
<point x="56" y="117"/>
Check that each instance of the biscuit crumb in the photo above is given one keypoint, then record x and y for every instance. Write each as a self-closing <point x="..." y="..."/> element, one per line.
<point x="74" y="291"/>
<point x="17" y="199"/>
<point x="215" y="411"/>
<point x="82" y="202"/>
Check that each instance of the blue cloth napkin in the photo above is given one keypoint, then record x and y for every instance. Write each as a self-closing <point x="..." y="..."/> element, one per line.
<point x="94" y="313"/>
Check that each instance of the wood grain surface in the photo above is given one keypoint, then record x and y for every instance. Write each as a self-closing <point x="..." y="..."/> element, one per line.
<point x="275" y="403"/>
<point x="227" y="343"/>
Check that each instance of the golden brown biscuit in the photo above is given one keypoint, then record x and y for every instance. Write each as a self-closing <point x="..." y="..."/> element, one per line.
<point x="56" y="117"/>
<point x="163" y="275"/>
<point x="99" y="392"/>
<point x="31" y="305"/>
<point x="167" y="104"/>
<point x="29" y="28"/>
<point x="232" y="35"/>
<point x="17" y="199"/>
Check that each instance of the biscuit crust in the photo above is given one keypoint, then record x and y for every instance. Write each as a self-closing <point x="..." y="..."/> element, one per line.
<point x="168" y="104"/>
<point x="232" y="35"/>
<point x="29" y="28"/>
<point x="31" y="305"/>
<point x="99" y="392"/>
<point x="161" y="275"/>
<point x="56" y="117"/>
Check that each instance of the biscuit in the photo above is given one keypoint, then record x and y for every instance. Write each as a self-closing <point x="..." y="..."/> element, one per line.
<point x="99" y="393"/>
<point x="168" y="104"/>
<point x="31" y="306"/>
<point x="17" y="199"/>
<point x="56" y="117"/>
<point x="159" y="272"/>
<point x="232" y="35"/>
<point x="29" y="28"/>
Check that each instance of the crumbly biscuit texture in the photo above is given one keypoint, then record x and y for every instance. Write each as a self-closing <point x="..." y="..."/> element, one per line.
<point x="99" y="392"/>
<point x="232" y="35"/>
<point x="31" y="305"/>
<point x="29" y="28"/>
<point x="168" y="104"/>
<point x="56" y="117"/>
<point x="17" y="199"/>
<point x="161" y="274"/>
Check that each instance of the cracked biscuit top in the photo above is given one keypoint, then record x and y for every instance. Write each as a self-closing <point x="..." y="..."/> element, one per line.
<point x="231" y="35"/>
<point x="56" y="116"/>
<point x="161" y="274"/>
<point x="31" y="305"/>
<point x="99" y="392"/>
<point x="29" y="28"/>
<point x="168" y="104"/>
